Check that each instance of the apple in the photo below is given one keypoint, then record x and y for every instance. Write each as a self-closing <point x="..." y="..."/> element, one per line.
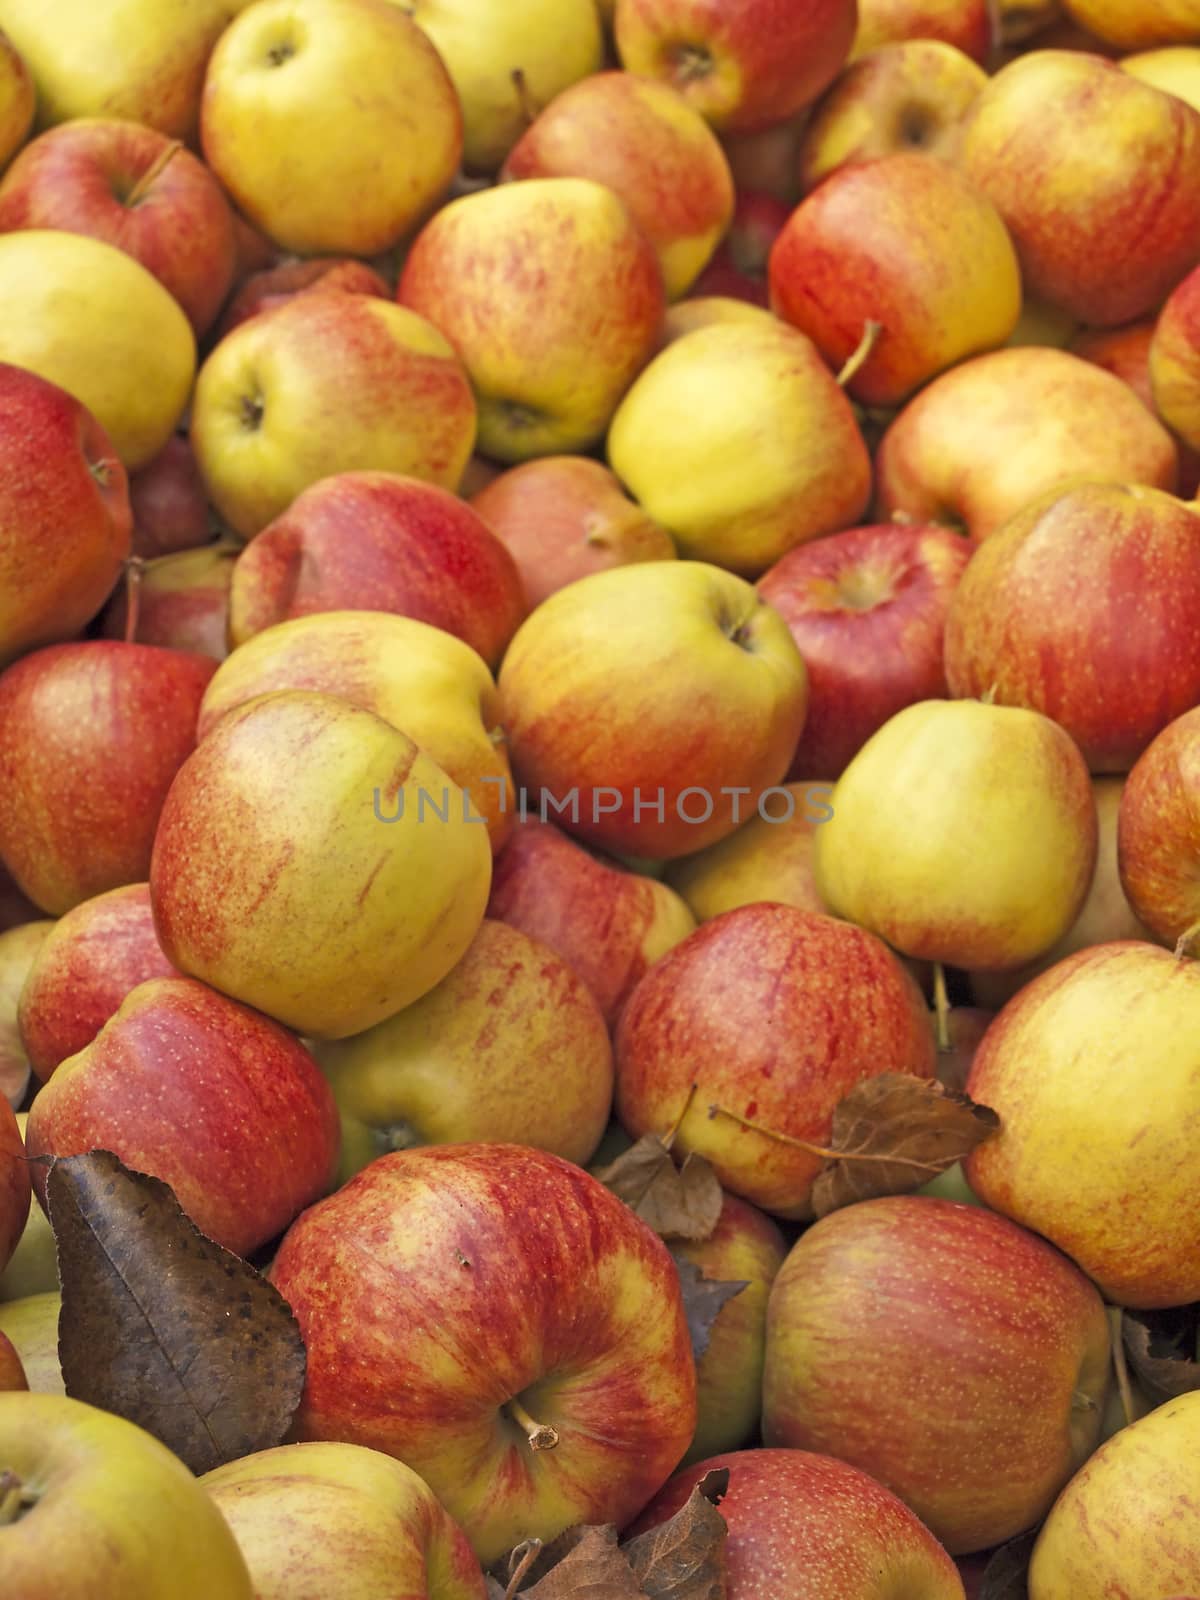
<point x="1124" y="1523"/>
<point x="315" y="1521"/>
<point x="563" y="517"/>
<point x="915" y="95"/>
<point x="643" y="703"/>
<point x="832" y="1006"/>
<point x="703" y="311"/>
<point x="17" y="101"/>
<point x="767" y="858"/>
<point x="139" y="61"/>
<point x="1137" y="24"/>
<point x="1174" y="363"/>
<point x="739" y="442"/>
<point x="1084" y="1155"/>
<point x="312" y="862"/>
<point x="507" y="62"/>
<point x="19" y="947"/>
<point x="607" y="923"/>
<point x="867" y="609"/>
<point x="743" y="69"/>
<point x="582" y="1396"/>
<point x="94" y="1503"/>
<point x="320" y="171"/>
<point x="12" y="1373"/>
<point x="1002" y="430"/>
<point x="136" y="189"/>
<point x="552" y="296"/>
<point x="883" y="22"/>
<point x="423" y="681"/>
<point x="1042" y="324"/>
<point x="82" y="970"/>
<point x="1157" y="833"/>
<point x="1061" y="142"/>
<point x="929" y="850"/>
<point x="649" y="146"/>
<point x="32" y="1271"/>
<point x="14" y="1183"/>
<point x="325" y="384"/>
<point x="747" y="1247"/>
<point x="975" y="1381"/>
<point x="510" y="1047"/>
<point x="765" y="161"/>
<point x="31" y="1327"/>
<point x="213" y="1098"/>
<point x="182" y="601"/>
<point x="738" y="267"/>
<point x="1174" y="69"/>
<point x="169" y="502"/>
<point x="383" y="542"/>
<point x="814" y="1529"/>
<point x="91" y="736"/>
<point x="65" y="520"/>
<point x="1126" y="352"/>
<point x="276" y="284"/>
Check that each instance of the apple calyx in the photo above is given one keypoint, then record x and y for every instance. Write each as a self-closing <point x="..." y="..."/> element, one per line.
<point x="540" y="1435"/>
<point x="142" y="187"/>
<point x="253" y="409"/>
<point x="860" y="354"/>
<point x="690" y="63"/>
<point x="397" y="1136"/>
<point x="16" y="1498"/>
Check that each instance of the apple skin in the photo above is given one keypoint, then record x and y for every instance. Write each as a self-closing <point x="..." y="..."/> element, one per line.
<point x="320" y="173"/>
<point x="90" y="960"/>
<point x="552" y="296"/>
<point x="12" y="1373"/>
<point x="213" y="1098"/>
<point x="31" y="1326"/>
<point x="930" y="852"/>
<point x="169" y="502"/>
<point x="65" y="519"/>
<point x="1175" y="363"/>
<point x="703" y="311"/>
<point x="973" y="1339"/>
<point x="264" y="398"/>
<point x="510" y="1047"/>
<point x="649" y="146"/>
<point x="1158" y="835"/>
<point x="18" y="101"/>
<point x="1126" y="352"/>
<point x="1175" y="69"/>
<point x="882" y="22"/>
<point x="667" y="675"/>
<point x="906" y="242"/>
<point x="767" y="858"/>
<point x="183" y="601"/>
<point x="606" y="923"/>
<point x="745" y="1246"/>
<point x="738" y="267"/>
<point x="32" y="1272"/>
<point x="737" y="440"/>
<point x="1083" y="607"/>
<point x="834" y="1006"/>
<point x="320" y="1520"/>
<point x="114" y="1511"/>
<point x="276" y="284"/>
<point x="284" y="874"/>
<point x="1060" y="142"/>
<point x="586" y="1327"/>
<point x="91" y="737"/>
<point x="742" y="69"/>
<point x="19" y="947"/>
<point x="1124" y="1524"/>
<point x="1137" y="27"/>
<point x="815" y="1529"/>
<point x="14" y="1184"/>
<point x="867" y="609"/>
<point x="914" y="95"/>
<point x="136" y="189"/>
<point x="1107" y="1184"/>
<point x="378" y="541"/>
<point x="963" y="452"/>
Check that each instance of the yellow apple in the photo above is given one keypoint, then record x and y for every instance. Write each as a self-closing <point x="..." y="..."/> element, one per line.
<point x="739" y="442"/>
<point x="321" y="1521"/>
<point x="92" y="1505"/>
<point x="961" y="832"/>
<point x="318" y="167"/>
<point x="88" y="317"/>
<point x="768" y="858"/>
<point x="31" y="1327"/>
<point x="1138" y="24"/>
<point x="507" y="62"/>
<point x="17" y="101"/>
<point x="704" y="310"/>
<point x="18" y="947"/>
<point x="1175" y="70"/>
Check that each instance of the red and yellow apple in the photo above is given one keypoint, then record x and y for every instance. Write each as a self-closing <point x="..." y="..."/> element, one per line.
<point x="767" y="858"/>
<point x="967" y="26"/>
<point x="279" y="283"/>
<point x="14" y="1183"/>
<point x="18" y="951"/>
<point x="12" y="1373"/>
<point x="182" y="601"/>
<point x="18" y="101"/>
<point x="1158" y="832"/>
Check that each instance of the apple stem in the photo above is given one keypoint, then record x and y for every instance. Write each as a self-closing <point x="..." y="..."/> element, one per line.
<point x="821" y="1150"/>
<point x="134" y="567"/>
<point x="668" y="1138"/>
<point x="988" y="697"/>
<point x="870" y="337"/>
<point x="1116" y="1320"/>
<point x="528" y="109"/>
<point x="165" y="156"/>
<point x="15" y="1498"/>
<point x="1183" y="945"/>
<point x="941" y="1007"/>
<point x="532" y="1550"/>
<point x="540" y="1435"/>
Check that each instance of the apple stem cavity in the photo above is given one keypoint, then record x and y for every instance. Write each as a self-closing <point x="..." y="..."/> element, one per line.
<point x="540" y="1435"/>
<point x="525" y="100"/>
<point x="165" y="156"/>
<point x="15" y="1498"/>
<point x="134" y="568"/>
<point x="1116" y="1321"/>
<point x="861" y="354"/>
<point x="941" y="1007"/>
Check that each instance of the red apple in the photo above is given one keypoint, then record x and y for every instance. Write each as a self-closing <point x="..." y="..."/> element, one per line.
<point x="967" y="24"/>
<point x="1175" y="361"/>
<point x="503" y="1324"/>
<point x="811" y="1528"/>
<point x="739" y="266"/>
<point x="1125" y="352"/>
<point x="1083" y="607"/>
<point x="217" y="1100"/>
<point x="65" y="521"/>
<point x="134" y="188"/>
<point x="277" y="283"/>
<point x="607" y="923"/>
<point x="563" y="517"/>
<point x="91" y="736"/>
<point x="169" y="502"/>
<point x="14" y="1189"/>
<point x="975" y="1379"/>
<point x="12" y="1373"/>
<point x="867" y="609"/>
<point x="91" y="959"/>
<point x="376" y="541"/>
<point x="182" y="601"/>
<point x="831" y="1006"/>
<point x="1158" y="832"/>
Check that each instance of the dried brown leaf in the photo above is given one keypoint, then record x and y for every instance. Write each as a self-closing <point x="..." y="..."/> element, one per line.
<point x="1161" y="1350"/>
<point x="702" y="1300"/>
<point x="161" y="1325"/>
<point x="892" y="1134"/>
<point x="593" y="1569"/>
<point x="1006" y="1575"/>
<point x="684" y="1558"/>
<point x="677" y="1202"/>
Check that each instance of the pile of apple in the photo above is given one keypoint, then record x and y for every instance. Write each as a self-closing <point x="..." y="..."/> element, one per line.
<point x="578" y="581"/>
